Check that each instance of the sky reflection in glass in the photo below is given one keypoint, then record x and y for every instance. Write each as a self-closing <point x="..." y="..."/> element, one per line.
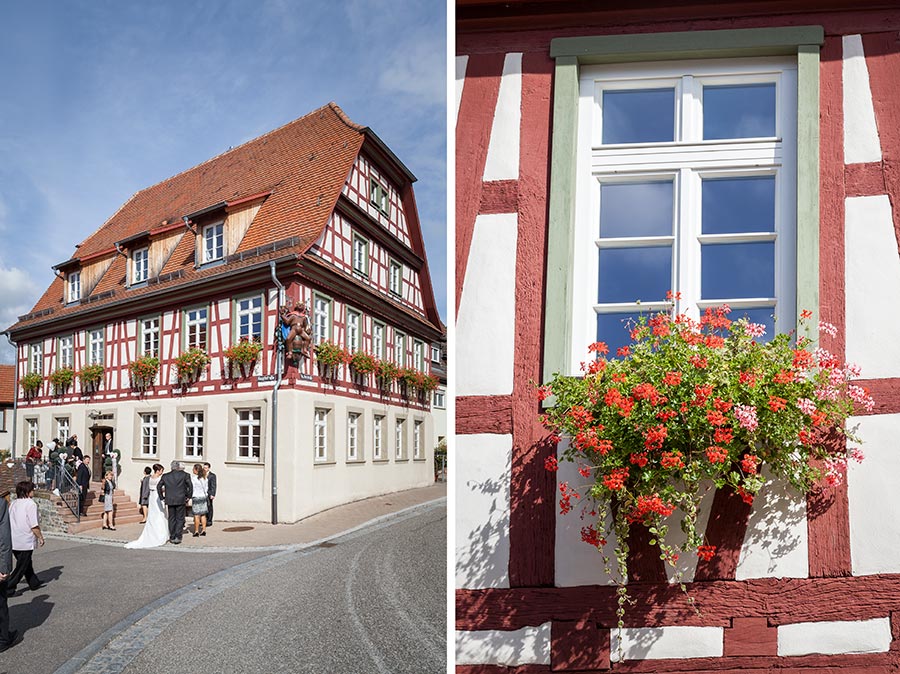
<point x="764" y="315"/>
<point x="734" y="205"/>
<point x="615" y="329"/>
<point x="739" y="111"/>
<point x="638" y="116"/>
<point x="630" y="274"/>
<point x="636" y="209"/>
<point x="738" y="270"/>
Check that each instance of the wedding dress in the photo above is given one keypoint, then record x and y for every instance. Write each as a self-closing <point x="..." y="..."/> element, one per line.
<point x="156" y="529"/>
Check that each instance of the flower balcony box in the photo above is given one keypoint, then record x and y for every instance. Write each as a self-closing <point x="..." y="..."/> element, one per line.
<point x="242" y="357"/>
<point x="143" y="371"/>
<point x="90" y="377"/>
<point x="189" y="365"/>
<point x="61" y="379"/>
<point x="31" y="384"/>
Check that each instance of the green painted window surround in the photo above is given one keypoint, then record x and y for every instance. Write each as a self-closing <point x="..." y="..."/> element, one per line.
<point x="573" y="52"/>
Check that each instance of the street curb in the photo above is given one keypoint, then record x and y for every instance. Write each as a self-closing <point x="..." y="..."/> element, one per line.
<point x="118" y="543"/>
<point x="86" y="654"/>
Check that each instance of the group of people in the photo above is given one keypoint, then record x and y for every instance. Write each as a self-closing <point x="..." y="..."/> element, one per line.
<point x="165" y="498"/>
<point x="20" y="534"/>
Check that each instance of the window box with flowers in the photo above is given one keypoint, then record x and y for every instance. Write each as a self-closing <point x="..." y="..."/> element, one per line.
<point x="385" y="374"/>
<point x="142" y="372"/>
<point x="189" y="365"/>
<point x="425" y="384"/>
<point x="90" y="377"/>
<point x="361" y="366"/>
<point x="242" y="357"/>
<point x="61" y="379"/>
<point x="31" y="384"/>
<point x="689" y="403"/>
<point x="408" y="378"/>
<point x="329" y="357"/>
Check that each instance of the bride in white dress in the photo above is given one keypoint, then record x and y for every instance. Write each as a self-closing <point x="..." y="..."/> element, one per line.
<point x="156" y="529"/>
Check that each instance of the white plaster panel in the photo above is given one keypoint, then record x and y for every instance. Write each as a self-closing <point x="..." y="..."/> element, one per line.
<point x="658" y="643"/>
<point x="872" y="284"/>
<point x="167" y="320"/>
<point x="686" y="565"/>
<point x="461" y="63"/>
<point x="832" y="638"/>
<point x="873" y="486"/>
<point x="485" y="326"/>
<point x="502" y="161"/>
<point x="776" y="541"/>
<point x="525" y="646"/>
<point x="861" y="143"/>
<point x="483" y="464"/>
<point x="578" y="563"/>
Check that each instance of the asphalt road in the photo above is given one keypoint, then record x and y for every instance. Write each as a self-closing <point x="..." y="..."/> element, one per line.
<point x="375" y="602"/>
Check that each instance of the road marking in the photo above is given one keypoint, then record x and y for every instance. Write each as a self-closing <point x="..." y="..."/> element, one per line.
<point x="112" y="651"/>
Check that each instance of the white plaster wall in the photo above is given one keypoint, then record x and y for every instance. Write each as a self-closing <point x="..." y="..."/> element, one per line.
<point x="482" y="464"/>
<point x="873" y="284"/>
<point x="861" y="143"/>
<point x="577" y="563"/>
<point x="502" y="162"/>
<point x="244" y="487"/>
<point x="873" y="490"/>
<point x="485" y="326"/>
<point x="686" y="565"/>
<point x="776" y="541"/>
<point x="832" y="638"/>
<point x="658" y="643"/>
<point x="525" y="646"/>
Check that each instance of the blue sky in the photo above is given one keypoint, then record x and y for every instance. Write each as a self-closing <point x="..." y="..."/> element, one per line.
<point x="103" y="98"/>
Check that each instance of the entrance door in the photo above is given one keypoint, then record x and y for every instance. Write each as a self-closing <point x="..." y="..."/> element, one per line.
<point x="98" y="434"/>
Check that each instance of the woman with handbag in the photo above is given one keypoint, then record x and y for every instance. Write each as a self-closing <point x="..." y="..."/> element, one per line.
<point x="109" y="486"/>
<point x="200" y="499"/>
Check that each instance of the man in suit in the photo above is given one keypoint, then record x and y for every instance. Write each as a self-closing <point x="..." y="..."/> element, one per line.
<point x="83" y="480"/>
<point x="8" y="638"/>
<point x="175" y="489"/>
<point x="74" y="449"/>
<point x="211" y="484"/>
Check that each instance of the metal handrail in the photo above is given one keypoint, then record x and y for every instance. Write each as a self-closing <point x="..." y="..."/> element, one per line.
<point x="69" y="491"/>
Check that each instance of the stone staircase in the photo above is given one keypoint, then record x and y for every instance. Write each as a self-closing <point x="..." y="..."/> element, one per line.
<point x="127" y="511"/>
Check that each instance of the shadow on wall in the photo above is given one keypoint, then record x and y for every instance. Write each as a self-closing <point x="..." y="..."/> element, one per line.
<point x="776" y="540"/>
<point x="482" y="546"/>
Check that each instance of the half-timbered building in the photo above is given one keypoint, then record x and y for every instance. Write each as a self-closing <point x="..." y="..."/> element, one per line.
<point x="318" y="213"/>
<point x="592" y="142"/>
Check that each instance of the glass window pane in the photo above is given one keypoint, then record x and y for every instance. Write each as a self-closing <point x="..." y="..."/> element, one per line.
<point x="732" y="205"/>
<point x="764" y="315"/>
<point x="636" y="209"/>
<point x="615" y="329"/>
<point x="631" y="274"/>
<point x="638" y="116"/>
<point x="739" y="111"/>
<point x="737" y="270"/>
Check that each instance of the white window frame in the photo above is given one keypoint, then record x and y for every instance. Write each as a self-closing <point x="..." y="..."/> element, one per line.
<point x="140" y="265"/>
<point x="399" y="439"/>
<point x="249" y="308"/>
<point x="149" y="332"/>
<point x="73" y="279"/>
<point x="149" y="434"/>
<point x="36" y="357"/>
<point x="395" y="278"/>
<point x="246" y="420"/>
<point x="32" y="429"/>
<point x="418" y="355"/>
<point x="354" y="319"/>
<point x="320" y="434"/>
<point x="213" y="242"/>
<point x="63" y="428"/>
<point x="192" y="434"/>
<point x="399" y="348"/>
<point x="438" y="399"/>
<point x="380" y="196"/>
<point x="353" y="427"/>
<point x="360" y="254"/>
<point x="378" y="332"/>
<point x="418" y="440"/>
<point x="196" y="321"/>
<point x="378" y="437"/>
<point x="65" y="352"/>
<point x="321" y="318"/>
<point x="686" y="161"/>
<point x="435" y="354"/>
<point x="96" y="343"/>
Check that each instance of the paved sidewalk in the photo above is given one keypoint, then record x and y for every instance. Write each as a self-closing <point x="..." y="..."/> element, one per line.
<point x="264" y="535"/>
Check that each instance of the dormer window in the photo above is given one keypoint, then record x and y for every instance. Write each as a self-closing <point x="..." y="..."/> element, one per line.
<point x="380" y="196"/>
<point x="213" y="243"/>
<point x="140" y="265"/>
<point x="74" y="291"/>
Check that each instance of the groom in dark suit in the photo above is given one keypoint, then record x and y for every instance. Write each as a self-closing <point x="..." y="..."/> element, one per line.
<point x="175" y="489"/>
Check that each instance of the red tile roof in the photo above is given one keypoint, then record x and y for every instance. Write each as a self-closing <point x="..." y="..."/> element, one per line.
<point x="302" y="165"/>
<point x="7" y="384"/>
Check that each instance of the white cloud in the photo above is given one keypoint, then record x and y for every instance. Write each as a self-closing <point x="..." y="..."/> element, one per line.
<point x="416" y="68"/>
<point x="18" y="293"/>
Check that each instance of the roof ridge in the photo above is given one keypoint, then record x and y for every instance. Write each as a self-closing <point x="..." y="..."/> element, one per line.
<point x="331" y="105"/>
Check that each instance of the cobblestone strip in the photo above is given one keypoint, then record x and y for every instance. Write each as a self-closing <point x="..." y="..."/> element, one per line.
<point x="113" y="650"/>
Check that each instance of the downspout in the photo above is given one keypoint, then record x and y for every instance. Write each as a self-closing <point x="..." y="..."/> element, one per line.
<point x="15" y="394"/>
<point x="279" y="366"/>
